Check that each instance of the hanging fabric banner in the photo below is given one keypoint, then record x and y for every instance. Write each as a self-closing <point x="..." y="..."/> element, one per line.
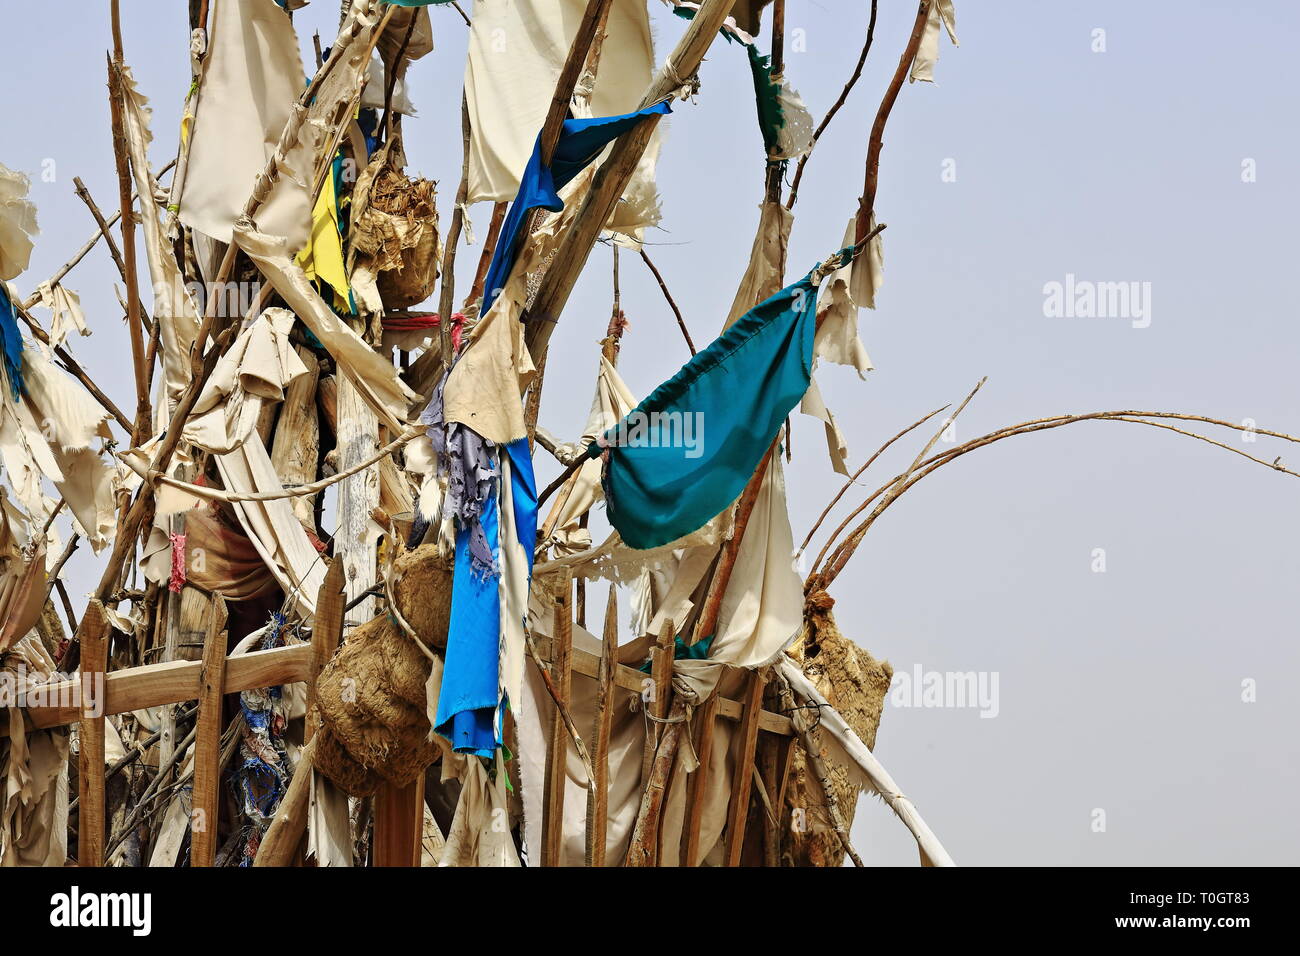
<point x="686" y="452"/>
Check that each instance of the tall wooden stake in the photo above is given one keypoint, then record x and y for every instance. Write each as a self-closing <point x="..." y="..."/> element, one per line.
<point x="557" y="755"/>
<point x="598" y="807"/>
<point x="94" y="633"/>
<point x="206" y="804"/>
<point x="116" y="99"/>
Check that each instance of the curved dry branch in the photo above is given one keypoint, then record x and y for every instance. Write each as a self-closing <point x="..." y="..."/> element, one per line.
<point x="823" y="574"/>
<point x="853" y="478"/>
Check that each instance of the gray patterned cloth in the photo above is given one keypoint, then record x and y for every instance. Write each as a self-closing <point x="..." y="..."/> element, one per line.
<point x="470" y="462"/>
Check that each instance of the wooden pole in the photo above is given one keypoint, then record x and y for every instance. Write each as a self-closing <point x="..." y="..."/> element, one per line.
<point x="867" y="204"/>
<point x="742" y="780"/>
<point x="206" y="806"/>
<point x="117" y="105"/>
<point x="598" y="806"/>
<point x="661" y="674"/>
<point x="90" y="760"/>
<point x="484" y="258"/>
<point x="592" y="18"/>
<point x="557" y="752"/>
<point x="399" y="824"/>
<point x="358" y="432"/>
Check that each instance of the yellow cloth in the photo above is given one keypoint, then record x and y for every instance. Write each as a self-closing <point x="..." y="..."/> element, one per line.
<point x="322" y="257"/>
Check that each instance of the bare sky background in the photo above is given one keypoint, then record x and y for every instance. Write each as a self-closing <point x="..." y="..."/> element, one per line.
<point x="1119" y="691"/>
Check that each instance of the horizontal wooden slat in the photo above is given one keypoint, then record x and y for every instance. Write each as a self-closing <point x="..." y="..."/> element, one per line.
<point x="629" y="678"/>
<point x="172" y="683"/>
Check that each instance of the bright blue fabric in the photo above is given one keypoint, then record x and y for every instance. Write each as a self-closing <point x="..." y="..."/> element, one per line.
<point x="469" y="698"/>
<point x="581" y="141"/>
<point x="11" y="343"/>
<point x="738" y="391"/>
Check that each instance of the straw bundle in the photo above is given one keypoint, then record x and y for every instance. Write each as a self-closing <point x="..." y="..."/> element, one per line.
<point x="855" y="684"/>
<point x="371" y="712"/>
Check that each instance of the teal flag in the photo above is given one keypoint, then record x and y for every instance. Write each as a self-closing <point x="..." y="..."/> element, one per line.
<point x="687" y="451"/>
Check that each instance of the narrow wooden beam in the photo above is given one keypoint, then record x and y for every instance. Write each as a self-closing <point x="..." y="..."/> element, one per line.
<point x="207" y="741"/>
<point x="557" y="752"/>
<point x="598" y="808"/>
<point x="327" y="631"/>
<point x="90" y="760"/>
<point x="706" y="719"/>
<point x="629" y="678"/>
<point x="743" y="778"/>
<point x="158" y="684"/>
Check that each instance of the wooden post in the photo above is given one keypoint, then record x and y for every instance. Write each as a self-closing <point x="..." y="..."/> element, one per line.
<point x="358" y="435"/>
<point x="598" y="809"/>
<point x="205" y="809"/>
<point x="742" y="780"/>
<point x="775" y="752"/>
<point x="90" y="760"/>
<point x="327" y="631"/>
<point x="558" y="751"/>
<point x="661" y="672"/>
<point x="399" y="824"/>
<point x="706" y="720"/>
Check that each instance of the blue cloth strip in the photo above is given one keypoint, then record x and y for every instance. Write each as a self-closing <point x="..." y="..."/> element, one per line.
<point x="581" y="141"/>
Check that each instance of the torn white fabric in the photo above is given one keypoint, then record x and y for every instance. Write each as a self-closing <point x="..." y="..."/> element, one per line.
<point x="836" y="446"/>
<point x="69" y="421"/>
<point x="256" y="370"/>
<point x="173" y="309"/>
<point x="374" y="377"/>
<point x="762" y="609"/>
<point x="18" y="227"/>
<point x="486" y="384"/>
<point x="764" y="274"/>
<point x="329" y="826"/>
<point x="252" y="77"/>
<point x="927" y="54"/>
<point x="65" y="312"/>
<point x="372" y="97"/>
<point x="516" y="51"/>
<point x="847" y="289"/>
<point x="271" y="525"/>
<point x="479" y="834"/>
<point x="612" y="400"/>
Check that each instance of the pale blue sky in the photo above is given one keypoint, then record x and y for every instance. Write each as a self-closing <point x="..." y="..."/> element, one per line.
<point x="1119" y="691"/>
